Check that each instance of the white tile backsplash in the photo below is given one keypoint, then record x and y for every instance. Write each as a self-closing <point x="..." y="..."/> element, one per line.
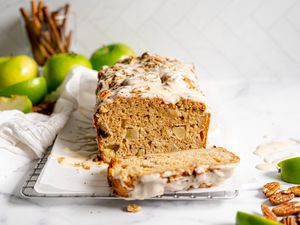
<point x="271" y="11"/>
<point x="206" y="11"/>
<point x="287" y="38"/>
<point x="139" y="12"/>
<point x="238" y="12"/>
<point x="294" y="16"/>
<point x="267" y="50"/>
<point x="232" y="39"/>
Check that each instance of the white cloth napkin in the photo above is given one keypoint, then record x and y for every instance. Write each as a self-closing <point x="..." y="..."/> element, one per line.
<point x="24" y="137"/>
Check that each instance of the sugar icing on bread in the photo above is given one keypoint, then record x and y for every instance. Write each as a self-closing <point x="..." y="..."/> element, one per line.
<point x="149" y="76"/>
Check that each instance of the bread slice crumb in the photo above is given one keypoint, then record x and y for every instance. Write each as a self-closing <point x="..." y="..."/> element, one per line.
<point x="143" y="177"/>
<point x="133" y="208"/>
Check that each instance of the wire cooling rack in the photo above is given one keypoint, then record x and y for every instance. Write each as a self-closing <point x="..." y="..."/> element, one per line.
<point x="28" y="190"/>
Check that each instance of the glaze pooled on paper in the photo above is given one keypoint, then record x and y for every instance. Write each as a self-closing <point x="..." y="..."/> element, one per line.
<point x="274" y="152"/>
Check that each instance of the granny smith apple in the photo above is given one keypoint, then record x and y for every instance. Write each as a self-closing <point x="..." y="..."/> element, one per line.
<point x="58" y="66"/>
<point x="35" y="89"/>
<point x="16" y="69"/>
<point x="290" y="170"/>
<point x="109" y="55"/>
<point x="18" y="102"/>
<point x="243" y="218"/>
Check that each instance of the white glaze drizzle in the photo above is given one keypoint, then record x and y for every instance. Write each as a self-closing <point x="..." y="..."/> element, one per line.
<point x="149" y="76"/>
<point x="148" y="186"/>
<point x="155" y="184"/>
<point x="266" y="166"/>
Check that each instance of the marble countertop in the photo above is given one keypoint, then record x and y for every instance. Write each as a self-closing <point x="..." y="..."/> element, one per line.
<point x="255" y="113"/>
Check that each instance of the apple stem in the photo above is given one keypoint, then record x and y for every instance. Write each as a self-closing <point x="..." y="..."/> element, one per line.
<point x="72" y="54"/>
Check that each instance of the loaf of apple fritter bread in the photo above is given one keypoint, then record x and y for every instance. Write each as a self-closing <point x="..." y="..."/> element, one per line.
<point x="141" y="177"/>
<point x="149" y="104"/>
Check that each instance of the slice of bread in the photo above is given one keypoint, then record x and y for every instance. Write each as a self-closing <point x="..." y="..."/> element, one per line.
<point x="141" y="177"/>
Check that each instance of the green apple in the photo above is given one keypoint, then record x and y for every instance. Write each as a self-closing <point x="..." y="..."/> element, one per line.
<point x="18" y="102"/>
<point x="35" y="89"/>
<point x="243" y="218"/>
<point x="58" y="66"/>
<point x="109" y="55"/>
<point x="16" y="69"/>
<point x="290" y="170"/>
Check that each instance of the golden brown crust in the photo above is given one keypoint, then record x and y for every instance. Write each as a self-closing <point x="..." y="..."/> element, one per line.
<point x="112" y="164"/>
<point x="116" y="184"/>
<point x="204" y="132"/>
<point x="119" y="189"/>
<point x="234" y="158"/>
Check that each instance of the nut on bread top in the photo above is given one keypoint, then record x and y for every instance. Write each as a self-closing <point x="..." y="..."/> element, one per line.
<point x="149" y="76"/>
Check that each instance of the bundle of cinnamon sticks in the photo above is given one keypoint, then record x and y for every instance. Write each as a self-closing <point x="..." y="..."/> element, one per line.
<point x="46" y="30"/>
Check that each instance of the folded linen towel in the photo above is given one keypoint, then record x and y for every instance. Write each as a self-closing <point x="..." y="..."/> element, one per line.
<point x="24" y="137"/>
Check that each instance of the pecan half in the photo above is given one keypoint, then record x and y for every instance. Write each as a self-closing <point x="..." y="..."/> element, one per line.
<point x="281" y="197"/>
<point x="286" y="209"/>
<point x="295" y="190"/>
<point x="266" y="211"/>
<point x="271" y="188"/>
<point x="104" y="94"/>
<point x="289" y="220"/>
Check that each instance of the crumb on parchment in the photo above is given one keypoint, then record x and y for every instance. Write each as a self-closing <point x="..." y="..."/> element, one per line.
<point x="133" y="208"/>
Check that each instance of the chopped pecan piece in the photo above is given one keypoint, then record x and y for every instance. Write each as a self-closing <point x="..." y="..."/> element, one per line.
<point x="295" y="190"/>
<point x="134" y="208"/>
<point x="286" y="209"/>
<point x="271" y="188"/>
<point x="268" y="213"/>
<point x="281" y="197"/>
<point x="298" y="218"/>
<point x="104" y="94"/>
<point x="289" y="220"/>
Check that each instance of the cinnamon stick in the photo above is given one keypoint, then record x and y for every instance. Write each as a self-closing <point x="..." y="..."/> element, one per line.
<point x="56" y="21"/>
<point x="47" y="36"/>
<point x="40" y="12"/>
<point x="53" y="29"/>
<point x="43" y="51"/>
<point x="47" y="46"/>
<point x="28" y="22"/>
<point x="36" y="25"/>
<point x="66" y="11"/>
<point x="33" y="8"/>
<point x="68" y="41"/>
<point x="32" y="32"/>
<point x="54" y="14"/>
<point x="46" y="31"/>
<point x="25" y="15"/>
<point x="35" y="50"/>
